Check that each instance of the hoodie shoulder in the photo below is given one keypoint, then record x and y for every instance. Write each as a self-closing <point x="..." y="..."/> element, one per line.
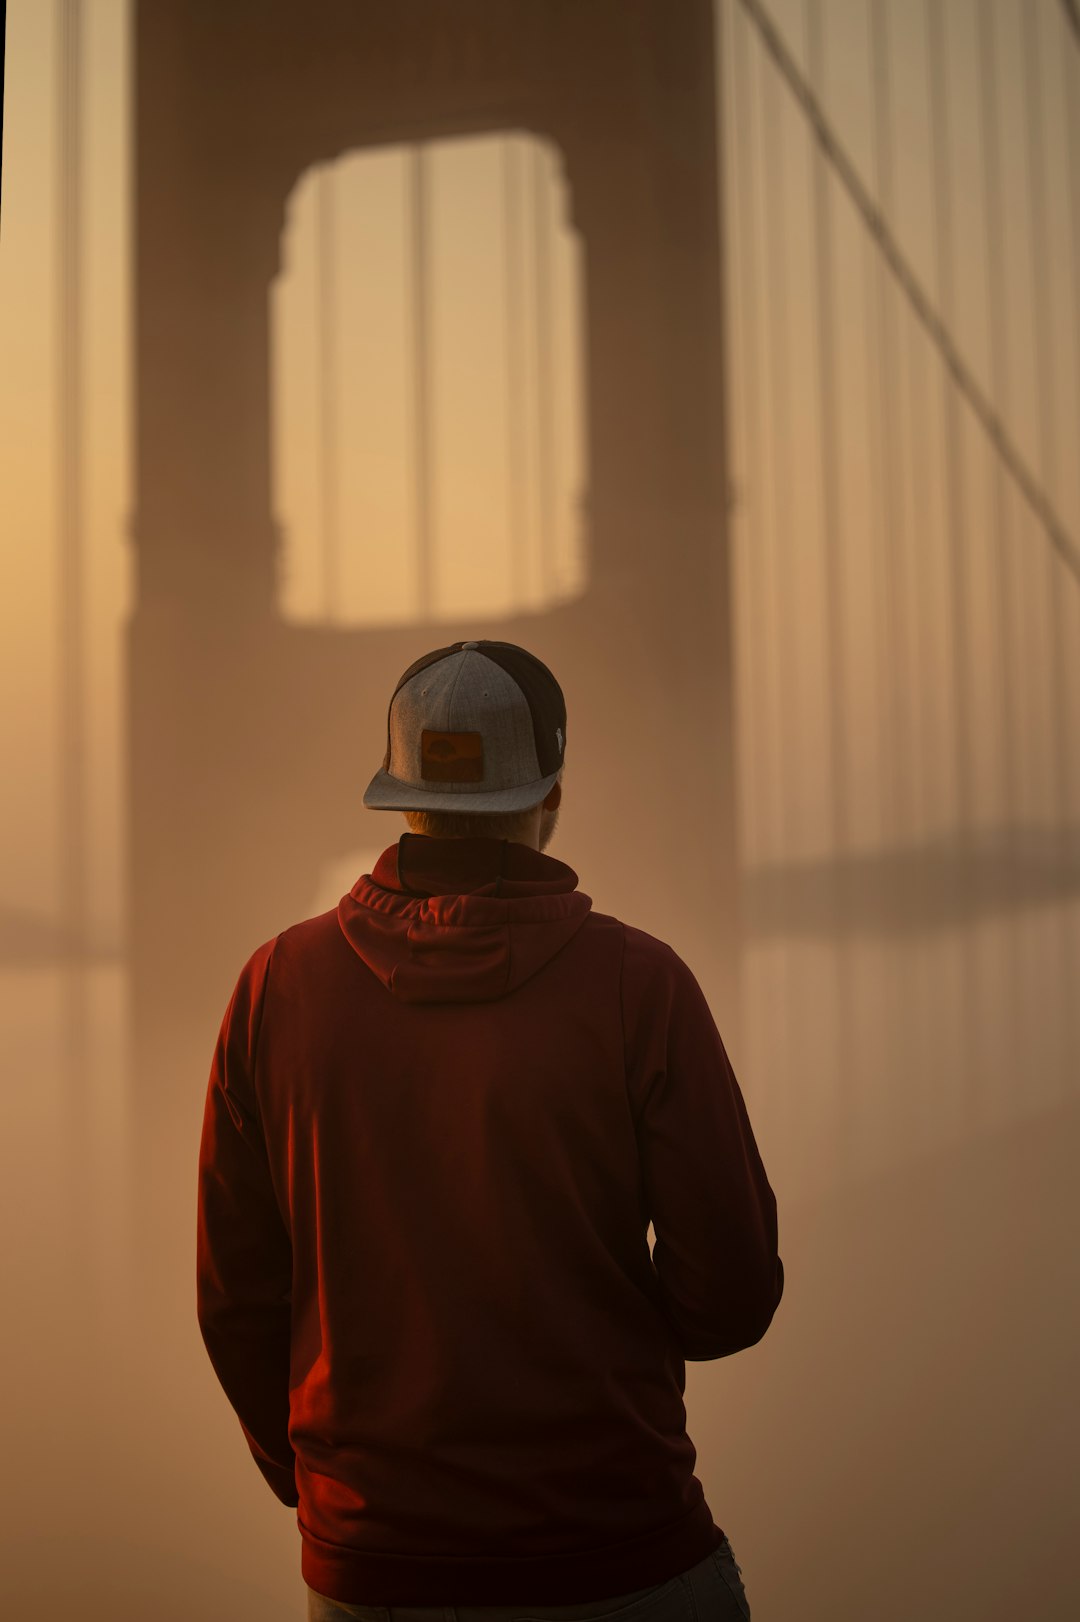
<point x="646" y="956"/>
<point x="662" y="1004"/>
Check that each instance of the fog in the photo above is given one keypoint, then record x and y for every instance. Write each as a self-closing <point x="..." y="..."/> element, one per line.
<point x="317" y="353"/>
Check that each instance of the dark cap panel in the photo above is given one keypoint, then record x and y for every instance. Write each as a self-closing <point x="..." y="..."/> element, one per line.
<point x="543" y="695"/>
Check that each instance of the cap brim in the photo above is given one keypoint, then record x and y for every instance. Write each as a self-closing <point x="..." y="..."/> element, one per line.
<point x="386" y="793"/>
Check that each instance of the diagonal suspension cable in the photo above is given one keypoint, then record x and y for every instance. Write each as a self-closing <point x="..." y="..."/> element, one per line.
<point x="1027" y="484"/>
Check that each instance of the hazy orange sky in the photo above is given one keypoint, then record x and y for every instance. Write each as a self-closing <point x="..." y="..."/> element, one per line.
<point x="911" y="1076"/>
<point x="778" y="518"/>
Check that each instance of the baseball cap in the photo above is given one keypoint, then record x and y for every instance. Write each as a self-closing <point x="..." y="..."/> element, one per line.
<point x="476" y="726"/>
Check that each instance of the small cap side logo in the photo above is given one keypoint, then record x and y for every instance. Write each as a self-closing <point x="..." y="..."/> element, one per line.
<point x="451" y="757"/>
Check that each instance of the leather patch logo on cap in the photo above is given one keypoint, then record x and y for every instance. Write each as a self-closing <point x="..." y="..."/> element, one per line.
<point x="451" y="757"/>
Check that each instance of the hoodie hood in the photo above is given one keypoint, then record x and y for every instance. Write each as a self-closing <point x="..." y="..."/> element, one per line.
<point x="461" y="920"/>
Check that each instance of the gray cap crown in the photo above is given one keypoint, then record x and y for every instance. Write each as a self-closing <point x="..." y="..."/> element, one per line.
<point x="479" y="726"/>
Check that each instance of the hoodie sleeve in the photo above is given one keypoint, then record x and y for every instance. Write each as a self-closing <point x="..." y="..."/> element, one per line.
<point x="244" y="1253"/>
<point x="705" y="1188"/>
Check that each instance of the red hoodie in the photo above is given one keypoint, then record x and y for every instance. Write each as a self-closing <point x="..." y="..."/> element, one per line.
<point x="438" y="1124"/>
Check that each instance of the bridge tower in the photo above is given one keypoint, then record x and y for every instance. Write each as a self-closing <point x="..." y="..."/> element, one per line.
<point x="250" y="739"/>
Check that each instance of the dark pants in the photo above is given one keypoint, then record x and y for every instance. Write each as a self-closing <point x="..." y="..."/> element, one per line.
<point x="711" y="1591"/>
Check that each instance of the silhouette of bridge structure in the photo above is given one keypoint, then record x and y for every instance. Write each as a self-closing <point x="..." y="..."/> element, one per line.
<point x="251" y="738"/>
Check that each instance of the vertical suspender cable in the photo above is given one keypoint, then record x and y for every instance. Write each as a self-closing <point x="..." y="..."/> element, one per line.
<point x="328" y="397"/>
<point x="917" y="358"/>
<point x="902" y="568"/>
<point x="1046" y="409"/>
<point x="748" y="324"/>
<point x="998" y="317"/>
<point x="543" y="368"/>
<point x="1070" y="64"/>
<point x="72" y="864"/>
<point x="997" y="321"/>
<point x="515" y="470"/>
<point x="893" y="683"/>
<point x="779" y="358"/>
<point x="834" y="590"/>
<point x="954" y="493"/>
<point x="844" y="1135"/>
<point x="421" y="378"/>
<point x="731" y="295"/>
<point x="1046" y="397"/>
<point x="1069" y="68"/>
<point x="956" y="539"/>
<point x="765" y="824"/>
<point x="898" y="688"/>
<point x="746" y="493"/>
